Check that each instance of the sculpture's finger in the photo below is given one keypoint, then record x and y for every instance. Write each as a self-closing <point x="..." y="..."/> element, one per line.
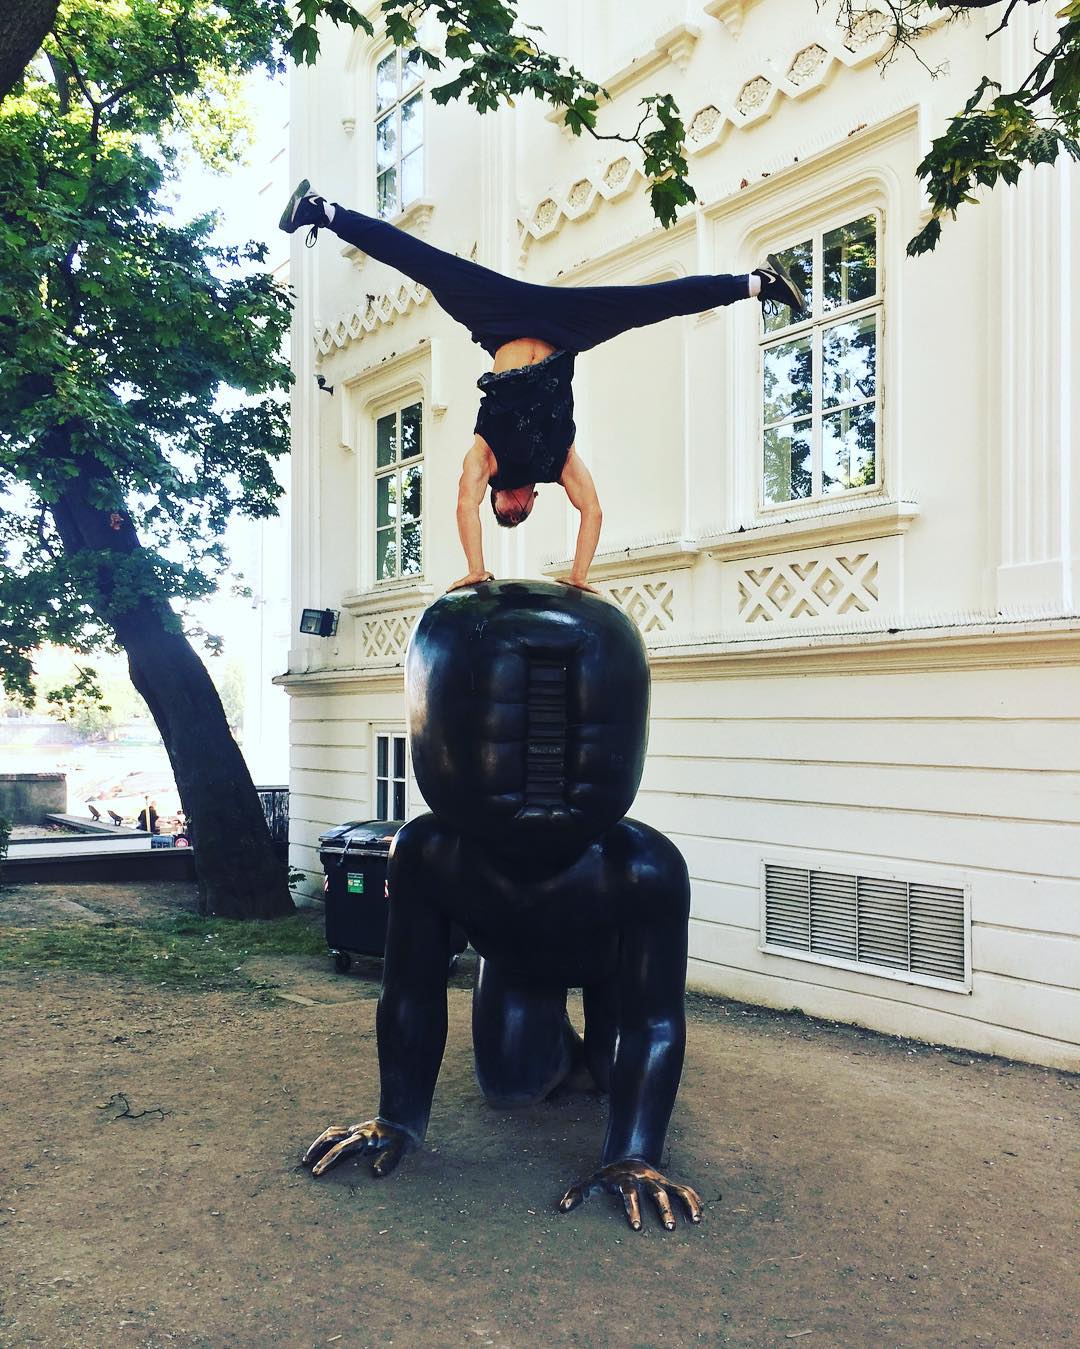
<point x="632" y="1204"/>
<point x="326" y="1139"/>
<point x="388" y="1158"/>
<point x="574" y="1196"/>
<point x="690" y="1198"/>
<point x="663" y="1204"/>
<point x="347" y="1146"/>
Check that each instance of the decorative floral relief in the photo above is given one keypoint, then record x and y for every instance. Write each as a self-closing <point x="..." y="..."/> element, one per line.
<point x="705" y="122"/>
<point x="866" y="28"/>
<point x="828" y="586"/>
<point x="546" y="213"/>
<point x="616" y="171"/>
<point x="807" y="63"/>
<point x="580" y="193"/>
<point x="753" y="94"/>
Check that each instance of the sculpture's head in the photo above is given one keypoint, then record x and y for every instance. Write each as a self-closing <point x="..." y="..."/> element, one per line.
<point x="528" y="708"/>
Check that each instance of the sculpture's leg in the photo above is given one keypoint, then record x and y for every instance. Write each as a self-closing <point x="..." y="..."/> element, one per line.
<point x="523" y="1041"/>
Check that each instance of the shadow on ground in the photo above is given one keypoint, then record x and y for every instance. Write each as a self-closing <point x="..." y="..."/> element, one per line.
<point x="875" y="1191"/>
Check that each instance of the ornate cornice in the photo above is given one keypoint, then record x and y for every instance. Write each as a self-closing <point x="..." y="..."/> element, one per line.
<point x="814" y="58"/>
<point x="953" y="642"/>
<point x="378" y="309"/>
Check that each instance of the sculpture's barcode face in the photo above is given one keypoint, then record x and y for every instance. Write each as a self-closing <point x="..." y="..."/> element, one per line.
<point x="545" y="758"/>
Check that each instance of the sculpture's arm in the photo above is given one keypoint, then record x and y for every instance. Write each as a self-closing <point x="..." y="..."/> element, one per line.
<point x="411" y="1017"/>
<point x="650" y="987"/>
<point x="652" y="1020"/>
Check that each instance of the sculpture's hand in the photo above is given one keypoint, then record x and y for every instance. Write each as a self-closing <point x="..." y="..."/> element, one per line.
<point x="473" y="578"/>
<point x="628" y="1178"/>
<point x="378" y="1139"/>
<point x="578" y="585"/>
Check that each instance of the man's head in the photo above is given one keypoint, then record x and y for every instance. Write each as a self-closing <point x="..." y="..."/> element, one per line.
<point x="513" y="504"/>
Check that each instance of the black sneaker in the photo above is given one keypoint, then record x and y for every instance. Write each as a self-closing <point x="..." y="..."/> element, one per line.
<point x="777" y="286"/>
<point x="304" y="207"/>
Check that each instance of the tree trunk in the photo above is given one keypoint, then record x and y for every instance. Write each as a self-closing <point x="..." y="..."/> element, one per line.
<point x="24" y="25"/>
<point x="238" y="872"/>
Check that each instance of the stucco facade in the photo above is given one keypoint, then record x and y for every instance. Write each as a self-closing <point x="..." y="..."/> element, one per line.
<point x="865" y="682"/>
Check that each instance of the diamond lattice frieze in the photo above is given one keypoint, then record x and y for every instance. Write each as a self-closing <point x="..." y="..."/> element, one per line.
<point x="827" y="585"/>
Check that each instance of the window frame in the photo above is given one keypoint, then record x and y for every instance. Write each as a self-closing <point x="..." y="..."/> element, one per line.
<point x="815" y="326"/>
<point x="395" y="407"/>
<point x="392" y="734"/>
<point x="379" y="115"/>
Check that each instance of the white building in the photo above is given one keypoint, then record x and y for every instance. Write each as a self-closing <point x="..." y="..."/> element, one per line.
<point x="853" y="546"/>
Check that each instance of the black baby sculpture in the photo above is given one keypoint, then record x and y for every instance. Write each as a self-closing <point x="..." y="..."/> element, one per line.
<point x="528" y="716"/>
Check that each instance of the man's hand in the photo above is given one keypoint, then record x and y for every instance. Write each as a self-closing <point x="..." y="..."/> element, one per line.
<point x="627" y="1178"/>
<point x="578" y="585"/>
<point x="473" y="579"/>
<point x="378" y="1139"/>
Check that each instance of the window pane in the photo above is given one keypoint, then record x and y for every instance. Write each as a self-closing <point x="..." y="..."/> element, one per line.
<point x="788" y="468"/>
<point x="411" y="490"/>
<point x="385" y="554"/>
<point x="399" y="756"/>
<point x="848" y="449"/>
<point x="386" y="193"/>
<point x="411" y="421"/>
<point x="386" y="500"/>
<point x="412" y="123"/>
<point x="849" y="356"/>
<point x="399" y="801"/>
<point x="788" y="382"/>
<point x="386" y="440"/>
<point x="382" y="751"/>
<point x="386" y="81"/>
<point x="412" y="177"/>
<point x="799" y="262"/>
<point x="386" y="142"/>
<point x="381" y="801"/>
<point x="849" y="263"/>
<point x="412" y="69"/>
<point x="411" y="557"/>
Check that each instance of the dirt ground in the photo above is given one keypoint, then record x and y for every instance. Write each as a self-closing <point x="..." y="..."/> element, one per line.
<point x="875" y="1191"/>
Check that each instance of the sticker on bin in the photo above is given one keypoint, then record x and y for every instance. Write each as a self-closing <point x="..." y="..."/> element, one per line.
<point x="355" y="883"/>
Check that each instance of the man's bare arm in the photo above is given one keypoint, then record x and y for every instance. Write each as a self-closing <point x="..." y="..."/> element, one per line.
<point x="472" y="488"/>
<point x="580" y="488"/>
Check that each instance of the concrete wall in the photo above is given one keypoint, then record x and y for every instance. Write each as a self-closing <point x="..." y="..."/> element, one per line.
<point x="25" y="798"/>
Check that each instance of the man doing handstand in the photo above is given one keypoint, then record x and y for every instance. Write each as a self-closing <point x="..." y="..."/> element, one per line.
<point x="524" y="432"/>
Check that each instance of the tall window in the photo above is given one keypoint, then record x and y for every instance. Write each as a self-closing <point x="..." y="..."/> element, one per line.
<point x="390" y="777"/>
<point x="399" y="489"/>
<point x="820" y="386"/>
<point x="399" y="131"/>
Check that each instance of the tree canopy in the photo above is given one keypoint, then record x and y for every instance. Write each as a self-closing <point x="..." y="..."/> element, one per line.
<point x="120" y="328"/>
<point x="142" y="382"/>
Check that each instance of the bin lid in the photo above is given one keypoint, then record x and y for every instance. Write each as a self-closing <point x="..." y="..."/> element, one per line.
<point x="361" y="835"/>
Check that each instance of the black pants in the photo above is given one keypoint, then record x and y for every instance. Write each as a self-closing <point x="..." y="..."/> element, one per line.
<point x="497" y="308"/>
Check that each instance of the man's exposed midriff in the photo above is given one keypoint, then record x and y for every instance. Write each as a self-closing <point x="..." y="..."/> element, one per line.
<point x="521" y="351"/>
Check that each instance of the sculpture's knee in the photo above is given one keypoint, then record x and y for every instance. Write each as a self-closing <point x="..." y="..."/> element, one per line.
<point x="508" y="1083"/>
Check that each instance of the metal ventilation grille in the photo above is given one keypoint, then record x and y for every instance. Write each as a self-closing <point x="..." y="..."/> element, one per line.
<point x="867" y="920"/>
<point x="545" y="751"/>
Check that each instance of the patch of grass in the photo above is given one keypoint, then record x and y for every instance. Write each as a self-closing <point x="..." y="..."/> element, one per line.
<point x="185" y="951"/>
